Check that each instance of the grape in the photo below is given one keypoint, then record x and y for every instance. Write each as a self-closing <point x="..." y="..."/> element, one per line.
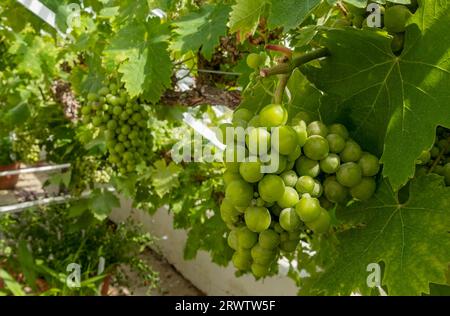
<point x="301" y="117"/>
<point x="259" y="270"/>
<point x="289" y="178"/>
<point x="254" y="122"/>
<point x="307" y="167"/>
<point x="242" y="114"/>
<point x="321" y="224"/>
<point x="230" y="176"/>
<point x="287" y="140"/>
<point x="289" y="198"/>
<point x="317" y="128"/>
<point x="282" y="164"/>
<point x="289" y="245"/>
<point x="305" y="184"/>
<point x="257" y="219"/>
<point x="250" y="171"/>
<point x="434" y="152"/>
<point x="254" y="60"/>
<point x="240" y="193"/>
<point x="271" y="188"/>
<point x="269" y="239"/>
<point x="370" y="165"/>
<point x="262" y="255"/>
<point x="330" y="164"/>
<point x="398" y="42"/>
<point x="242" y="259"/>
<point x="336" y="143"/>
<point x="273" y="115"/>
<point x="295" y="154"/>
<point x="246" y="238"/>
<point x="339" y="129"/>
<point x="352" y="152"/>
<point x="277" y="227"/>
<point x="289" y="219"/>
<point x="446" y="173"/>
<point x="349" y="174"/>
<point x="308" y="209"/>
<point x="232" y="239"/>
<point x="302" y="134"/>
<point x="334" y="191"/>
<point x="395" y="18"/>
<point x="260" y="202"/>
<point x="364" y="190"/>
<point x="316" y="147"/>
<point x="317" y="190"/>
<point x="258" y="141"/>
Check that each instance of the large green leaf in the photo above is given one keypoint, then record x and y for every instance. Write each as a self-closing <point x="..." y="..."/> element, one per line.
<point x="165" y="177"/>
<point x="412" y="239"/>
<point x="290" y="13"/>
<point x="201" y="29"/>
<point x="140" y="49"/>
<point x="393" y="103"/>
<point x="245" y="15"/>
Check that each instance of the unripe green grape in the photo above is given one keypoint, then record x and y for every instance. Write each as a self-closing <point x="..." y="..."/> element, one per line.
<point x="232" y="239"/>
<point x="321" y="224"/>
<point x="370" y="165"/>
<point x="364" y="190"/>
<point x="260" y="202"/>
<point x="349" y="174"/>
<point x="317" y="128"/>
<point x="289" y="178"/>
<point x="103" y="91"/>
<point x="112" y="125"/>
<point x="228" y="212"/>
<point x="258" y="141"/>
<point x="398" y="42"/>
<point x="246" y="238"/>
<point x="336" y="143"/>
<point x="305" y="184"/>
<point x="289" y="220"/>
<point x="282" y="164"/>
<point x="338" y="129"/>
<point x="446" y="173"/>
<point x="301" y="118"/>
<point x="434" y="152"/>
<point x="316" y="147"/>
<point x="251" y="171"/>
<point x="273" y="115"/>
<point x="317" y="190"/>
<point x="262" y="255"/>
<point x="334" y="191"/>
<point x="242" y="260"/>
<point x="277" y="227"/>
<point x="91" y="97"/>
<point x="242" y="114"/>
<point x="439" y="170"/>
<point x="230" y="176"/>
<point x="395" y="18"/>
<point x="287" y="140"/>
<point x="294" y="155"/>
<point x="125" y="129"/>
<point x="269" y="239"/>
<point x="352" y="152"/>
<point x="233" y="155"/>
<point x="259" y="270"/>
<point x="289" y="245"/>
<point x="257" y="219"/>
<point x="302" y="134"/>
<point x="239" y="192"/>
<point x="271" y="188"/>
<point x="290" y="165"/>
<point x="289" y="199"/>
<point x="307" y="167"/>
<point x="308" y="209"/>
<point x="254" y="122"/>
<point x="254" y="60"/>
<point x="330" y="164"/>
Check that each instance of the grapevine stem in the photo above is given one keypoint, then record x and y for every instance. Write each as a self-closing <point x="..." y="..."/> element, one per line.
<point x="281" y="87"/>
<point x="439" y="157"/>
<point x="279" y="48"/>
<point x="287" y="68"/>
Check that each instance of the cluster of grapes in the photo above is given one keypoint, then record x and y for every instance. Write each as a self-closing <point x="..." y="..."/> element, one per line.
<point x="26" y="148"/>
<point x="394" y="18"/>
<point x="319" y="166"/>
<point x="124" y="122"/>
<point x="437" y="159"/>
<point x="88" y="171"/>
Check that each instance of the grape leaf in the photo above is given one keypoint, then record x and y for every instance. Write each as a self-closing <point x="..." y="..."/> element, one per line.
<point x="201" y="29"/>
<point x="245" y="15"/>
<point x="141" y="50"/>
<point x="392" y="102"/>
<point x="165" y="177"/>
<point x="102" y="203"/>
<point x="290" y="13"/>
<point x="411" y="239"/>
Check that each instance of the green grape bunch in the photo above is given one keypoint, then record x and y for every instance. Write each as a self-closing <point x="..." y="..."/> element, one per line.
<point x="124" y="123"/>
<point x="437" y="159"/>
<point x="88" y="171"/>
<point x="26" y="148"/>
<point x="320" y="167"/>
